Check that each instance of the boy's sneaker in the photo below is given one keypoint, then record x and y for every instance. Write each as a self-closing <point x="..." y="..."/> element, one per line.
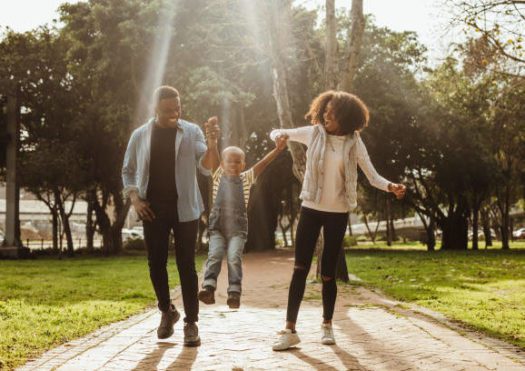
<point x="328" y="334"/>
<point x="234" y="300"/>
<point x="191" y="335"/>
<point x="167" y="321"/>
<point x="207" y="295"/>
<point x="286" y="339"/>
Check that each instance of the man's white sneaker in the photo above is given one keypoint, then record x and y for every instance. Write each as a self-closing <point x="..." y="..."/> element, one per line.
<point x="328" y="334"/>
<point x="286" y="339"/>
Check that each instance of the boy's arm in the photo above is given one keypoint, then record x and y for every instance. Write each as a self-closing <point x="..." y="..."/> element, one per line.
<point x="280" y="145"/>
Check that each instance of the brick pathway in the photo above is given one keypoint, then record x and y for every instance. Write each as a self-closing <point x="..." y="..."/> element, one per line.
<point x="372" y="332"/>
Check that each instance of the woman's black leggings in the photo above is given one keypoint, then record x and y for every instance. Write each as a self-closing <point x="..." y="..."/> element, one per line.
<point x="308" y="229"/>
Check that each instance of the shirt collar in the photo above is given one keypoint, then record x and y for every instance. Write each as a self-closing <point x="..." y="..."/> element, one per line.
<point x="180" y="125"/>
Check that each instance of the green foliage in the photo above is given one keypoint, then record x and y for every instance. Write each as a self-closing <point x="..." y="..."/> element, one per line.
<point x="454" y="134"/>
<point x="350" y="241"/>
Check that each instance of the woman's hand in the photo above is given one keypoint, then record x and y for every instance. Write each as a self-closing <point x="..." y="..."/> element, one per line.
<point x="399" y="190"/>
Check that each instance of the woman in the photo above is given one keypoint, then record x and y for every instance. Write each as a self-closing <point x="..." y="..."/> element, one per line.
<point x="328" y="194"/>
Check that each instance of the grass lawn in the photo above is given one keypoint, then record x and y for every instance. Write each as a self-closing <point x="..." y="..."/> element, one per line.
<point x="46" y="302"/>
<point x="484" y="289"/>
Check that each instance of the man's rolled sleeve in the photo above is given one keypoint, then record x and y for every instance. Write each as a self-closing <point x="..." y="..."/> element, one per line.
<point x="129" y="167"/>
<point x="200" y="151"/>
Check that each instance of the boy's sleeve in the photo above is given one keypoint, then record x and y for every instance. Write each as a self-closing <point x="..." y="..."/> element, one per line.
<point x="249" y="176"/>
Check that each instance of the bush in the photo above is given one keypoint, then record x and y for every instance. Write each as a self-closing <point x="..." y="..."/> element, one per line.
<point x="134" y="244"/>
<point x="350" y="241"/>
<point x="362" y="238"/>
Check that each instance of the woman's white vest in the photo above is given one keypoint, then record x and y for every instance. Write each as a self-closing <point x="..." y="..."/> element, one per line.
<point x="314" y="175"/>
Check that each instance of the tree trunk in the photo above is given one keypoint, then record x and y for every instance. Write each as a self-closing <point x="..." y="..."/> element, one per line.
<point x="455" y="231"/>
<point x="54" y="216"/>
<point x="355" y="39"/>
<point x="475" y="223"/>
<point x="430" y="229"/>
<point x="485" y="221"/>
<point x="263" y="207"/>
<point x="350" y="232"/>
<point x="104" y="224"/>
<point x="111" y="232"/>
<point x="280" y="17"/>
<point x="505" y="219"/>
<point x="387" y="220"/>
<point x="331" y="46"/>
<point x="65" y="220"/>
<point x="90" y="227"/>
<point x="120" y="212"/>
<point x="431" y="235"/>
<point x="373" y="235"/>
<point x="392" y="228"/>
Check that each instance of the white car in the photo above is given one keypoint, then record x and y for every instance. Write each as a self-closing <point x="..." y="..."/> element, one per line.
<point x="481" y="234"/>
<point x="131" y="234"/>
<point x="519" y="233"/>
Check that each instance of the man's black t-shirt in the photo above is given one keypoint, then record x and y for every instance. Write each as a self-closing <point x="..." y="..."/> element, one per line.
<point x="161" y="184"/>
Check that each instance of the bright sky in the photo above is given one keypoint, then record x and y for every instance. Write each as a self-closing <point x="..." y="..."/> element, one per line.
<point x="428" y="18"/>
<point x="423" y="16"/>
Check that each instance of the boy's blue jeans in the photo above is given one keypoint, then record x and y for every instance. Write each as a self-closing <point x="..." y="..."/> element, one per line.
<point x="218" y="246"/>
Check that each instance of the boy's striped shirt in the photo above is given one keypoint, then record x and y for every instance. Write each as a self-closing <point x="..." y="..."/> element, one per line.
<point x="247" y="177"/>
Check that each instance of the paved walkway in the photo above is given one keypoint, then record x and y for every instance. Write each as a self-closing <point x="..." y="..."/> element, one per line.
<point x="372" y="332"/>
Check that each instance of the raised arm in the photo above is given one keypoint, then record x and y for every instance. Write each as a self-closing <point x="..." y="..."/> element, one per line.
<point x="280" y="145"/>
<point x="302" y="134"/>
<point x="210" y="160"/>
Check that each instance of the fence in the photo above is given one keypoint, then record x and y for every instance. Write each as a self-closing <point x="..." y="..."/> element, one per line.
<point x="42" y="244"/>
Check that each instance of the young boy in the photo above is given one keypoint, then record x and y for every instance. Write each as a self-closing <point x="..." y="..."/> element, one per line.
<point x="228" y="222"/>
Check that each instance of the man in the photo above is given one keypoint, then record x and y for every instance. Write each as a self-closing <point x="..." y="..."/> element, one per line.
<point x="160" y="178"/>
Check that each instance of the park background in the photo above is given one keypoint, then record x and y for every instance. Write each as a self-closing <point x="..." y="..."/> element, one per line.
<point x="447" y="120"/>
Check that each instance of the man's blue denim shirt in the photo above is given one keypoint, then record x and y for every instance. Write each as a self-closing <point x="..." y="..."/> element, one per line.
<point x="190" y="147"/>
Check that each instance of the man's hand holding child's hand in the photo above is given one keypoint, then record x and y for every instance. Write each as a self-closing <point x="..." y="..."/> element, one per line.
<point x="212" y="130"/>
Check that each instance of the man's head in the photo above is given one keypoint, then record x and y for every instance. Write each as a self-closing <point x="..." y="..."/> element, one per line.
<point x="167" y="106"/>
<point x="233" y="160"/>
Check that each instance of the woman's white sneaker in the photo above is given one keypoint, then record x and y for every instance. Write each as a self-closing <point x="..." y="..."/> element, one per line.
<point x="286" y="339"/>
<point x="328" y="334"/>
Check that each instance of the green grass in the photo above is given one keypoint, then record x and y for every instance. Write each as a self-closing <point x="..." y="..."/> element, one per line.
<point x="418" y="246"/>
<point x="482" y="289"/>
<point x="46" y="302"/>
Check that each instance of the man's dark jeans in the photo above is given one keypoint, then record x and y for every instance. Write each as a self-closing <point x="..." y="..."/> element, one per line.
<point x="156" y="235"/>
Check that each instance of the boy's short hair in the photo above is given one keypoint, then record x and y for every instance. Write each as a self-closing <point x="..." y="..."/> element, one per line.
<point x="234" y="149"/>
<point x="164" y="92"/>
<point x="350" y="111"/>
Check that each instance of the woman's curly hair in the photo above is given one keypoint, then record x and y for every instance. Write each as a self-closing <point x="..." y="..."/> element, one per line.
<point x="350" y="112"/>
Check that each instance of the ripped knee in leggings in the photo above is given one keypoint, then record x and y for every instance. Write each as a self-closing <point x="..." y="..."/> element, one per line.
<point x="326" y="278"/>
